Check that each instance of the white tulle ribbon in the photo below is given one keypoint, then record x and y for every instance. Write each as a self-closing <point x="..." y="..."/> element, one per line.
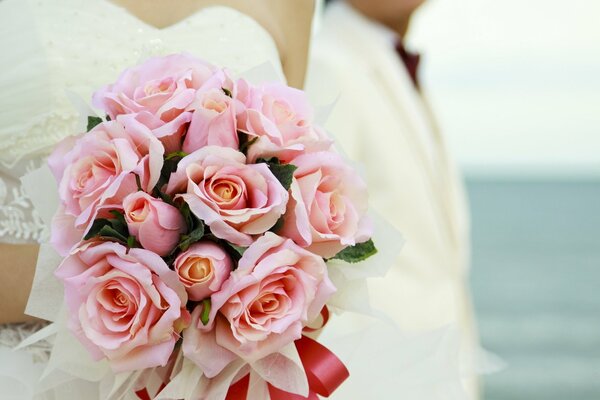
<point x="388" y="242"/>
<point x="43" y="334"/>
<point x="283" y="370"/>
<point x="46" y="296"/>
<point x="183" y="384"/>
<point x="41" y="188"/>
<point x="262" y="73"/>
<point x="83" y="108"/>
<point x="351" y="279"/>
<point x="18" y="375"/>
<point x="385" y="363"/>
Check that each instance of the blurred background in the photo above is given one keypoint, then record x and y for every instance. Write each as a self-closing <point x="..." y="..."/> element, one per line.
<point x="516" y="85"/>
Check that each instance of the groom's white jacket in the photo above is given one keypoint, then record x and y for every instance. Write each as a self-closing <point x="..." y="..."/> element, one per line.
<point x="381" y="120"/>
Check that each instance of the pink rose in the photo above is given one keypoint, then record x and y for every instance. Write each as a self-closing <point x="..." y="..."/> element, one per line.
<point x="328" y="205"/>
<point x="276" y="290"/>
<point x="202" y="269"/>
<point x="237" y="200"/>
<point x="281" y="117"/>
<point x="169" y="133"/>
<point x="213" y="121"/>
<point x="156" y="224"/>
<point x="126" y="306"/>
<point x="98" y="170"/>
<point x="162" y="88"/>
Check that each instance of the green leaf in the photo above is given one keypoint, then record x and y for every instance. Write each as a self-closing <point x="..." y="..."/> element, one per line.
<point x="169" y="166"/>
<point x="278" y="225"/>
<point x="193" y="237"/>
<point x="118" y="222"/>
<point x="92" y="122"/>
<point x="162" y="195"/>
<point x="184" y="209"/>
<point x="239" y="249"/>
<point x="234" y="251"/>
<point x="96" y="227"/>
<point x="357" y="253"/>
<point x="108" y="231"/>
<point x="283" y="172"/>
<point x="204" y="317"/>
<point x="138" y="183"/>
<point x="132" y="242"/>
<point x="110" y="228"/>
<point x="245" y="142"/>
<point x="197" y="233"/>
<point x="175" y="154"/>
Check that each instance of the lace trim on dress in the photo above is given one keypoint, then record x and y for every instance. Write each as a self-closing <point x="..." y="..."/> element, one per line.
<point x="19" y="220"/>
<point x="38" y="138"/>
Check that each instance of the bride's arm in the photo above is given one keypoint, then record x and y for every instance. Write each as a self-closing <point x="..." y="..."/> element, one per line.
<point x="292" y="24"/>
<point x="288" y="22"/>
<point x="17" y="265"/>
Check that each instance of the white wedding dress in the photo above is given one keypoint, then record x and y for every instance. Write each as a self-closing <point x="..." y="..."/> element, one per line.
<point x="55" y="53"/>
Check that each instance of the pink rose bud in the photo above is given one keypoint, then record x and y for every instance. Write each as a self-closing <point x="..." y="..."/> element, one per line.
<point x="156" y="224"/>
<point x="213" y="121"/>
<point x="202" y="269"/>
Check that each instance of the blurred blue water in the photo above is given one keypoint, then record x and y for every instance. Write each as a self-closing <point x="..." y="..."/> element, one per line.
<point x="536" y="283"/>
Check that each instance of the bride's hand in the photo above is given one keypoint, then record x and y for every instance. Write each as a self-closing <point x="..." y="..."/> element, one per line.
<point x="288" y="22"/>
<point x="17" y="266"/>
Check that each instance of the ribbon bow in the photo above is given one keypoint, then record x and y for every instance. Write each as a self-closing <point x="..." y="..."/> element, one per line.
<point x="325" y="373"/>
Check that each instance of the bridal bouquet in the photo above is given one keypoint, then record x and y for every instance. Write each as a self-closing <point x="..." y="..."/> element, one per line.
<point x="195" y="227"/>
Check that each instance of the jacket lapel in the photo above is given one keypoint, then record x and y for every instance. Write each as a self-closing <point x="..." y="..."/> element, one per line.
<point x="422" y="133"/>
<point x="450" y="182"/>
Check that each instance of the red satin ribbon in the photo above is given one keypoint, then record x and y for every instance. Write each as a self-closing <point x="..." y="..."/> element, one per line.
<point x="143" y="394"/>
<point x="324" y="371"/>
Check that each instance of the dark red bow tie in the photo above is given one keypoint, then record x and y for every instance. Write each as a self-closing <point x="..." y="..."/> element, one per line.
<point x="410" y="60"/>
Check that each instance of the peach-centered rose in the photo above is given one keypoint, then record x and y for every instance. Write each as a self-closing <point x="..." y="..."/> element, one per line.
<point x="282" y="119"/>
<point x="202" y="269"/>
<point x="276" y="290"/>
<point x="160" y="90"/>
<point x="163" y="86"/>
<point x="213" y="122"/>
<point x="156" y="224"/>
<point x="328" y="205"/>
<point x="125" y="306"/>
<point x="237" y="200"/>
<point x="97" y="170"/>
